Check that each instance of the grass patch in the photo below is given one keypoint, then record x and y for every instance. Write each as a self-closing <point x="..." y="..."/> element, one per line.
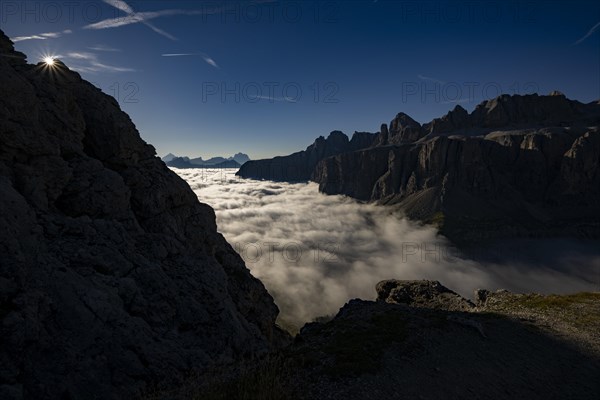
<point x="581" y="310"/>
<point x="555" y="301"/>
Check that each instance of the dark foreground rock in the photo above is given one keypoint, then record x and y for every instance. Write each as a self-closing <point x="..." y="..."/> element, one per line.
<point x="113" y="278"/>
<point x="510" y="346"/>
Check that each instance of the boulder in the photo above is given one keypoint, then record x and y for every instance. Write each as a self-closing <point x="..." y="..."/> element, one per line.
<point x="423" y="294"/>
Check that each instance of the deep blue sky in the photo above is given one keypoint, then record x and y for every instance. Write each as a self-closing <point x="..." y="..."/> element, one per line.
<point x="355" y="63"/>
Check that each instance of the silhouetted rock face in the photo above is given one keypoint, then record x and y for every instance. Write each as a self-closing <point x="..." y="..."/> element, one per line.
<point x="403" y="129"/>
<point x="455" y="120"/>
<point x="8" y="53"/>
<point x="300" y="166"/>
<point x="113" y="277"/>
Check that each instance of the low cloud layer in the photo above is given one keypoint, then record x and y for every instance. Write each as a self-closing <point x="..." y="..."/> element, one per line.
<point x="315" y="252"/>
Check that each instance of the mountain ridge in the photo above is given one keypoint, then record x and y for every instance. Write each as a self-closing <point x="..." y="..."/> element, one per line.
<point x="238" y="160"/>
<point x="516" y="165"/>
<point x="299" y="166"/>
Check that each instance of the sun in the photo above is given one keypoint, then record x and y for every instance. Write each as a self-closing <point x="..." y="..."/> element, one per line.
<point x="50" y="63"/>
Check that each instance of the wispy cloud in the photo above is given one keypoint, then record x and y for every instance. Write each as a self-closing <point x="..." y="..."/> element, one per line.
<point x="179" y="54"/>
<point x="103" y="47"/>
<point x="41" y="36"/>
<point x="133" y="17"/>
<point x="82" y="56"/>
<point x="588" y="34"/>
<point x="204" y="56"/>
<point x="92" y="64"/>
<point x="273" y="99"/>
<point x="210" y="61"/>
<point x="430" y="79"/>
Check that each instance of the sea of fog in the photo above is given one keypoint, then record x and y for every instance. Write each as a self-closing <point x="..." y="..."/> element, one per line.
<point x="315" y="252"/>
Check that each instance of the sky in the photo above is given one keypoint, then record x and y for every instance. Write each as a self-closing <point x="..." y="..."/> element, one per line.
<point x="213" y="78"/>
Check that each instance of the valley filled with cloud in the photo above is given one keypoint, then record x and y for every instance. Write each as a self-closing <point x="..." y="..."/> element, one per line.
<point x="315" y="252"/>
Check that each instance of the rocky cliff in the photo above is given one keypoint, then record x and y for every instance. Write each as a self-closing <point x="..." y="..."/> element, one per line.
<point x="113" y="278"/>
<point x="300" y="166"/>
<point x="517" y="165"/>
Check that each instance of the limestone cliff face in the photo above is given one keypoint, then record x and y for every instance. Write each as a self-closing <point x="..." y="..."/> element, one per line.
<point x="517" y="165"/>
<point x="402" y="129"/>
<point x="299" y="166"/>
<point x="113" y="277"/>
<point x="542" y="182"/>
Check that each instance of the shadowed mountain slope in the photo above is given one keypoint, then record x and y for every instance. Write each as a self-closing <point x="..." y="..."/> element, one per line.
<point x="113" y="278"/>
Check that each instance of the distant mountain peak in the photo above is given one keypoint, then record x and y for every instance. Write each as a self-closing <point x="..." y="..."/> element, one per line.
<point x="240" y="158"/>
<point x="169" y="157"/>
<point x="234" y="161"/>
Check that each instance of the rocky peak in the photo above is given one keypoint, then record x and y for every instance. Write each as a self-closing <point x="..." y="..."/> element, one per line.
<point x="516" y="110"/>
<point x="6" y="46"/>
<point x="455" y="120"/>
<point x="335" y="142"/>
<point x="383" y="130"/>
<point x="337" y="139"/>
<point x="361" y="140"/>
<point x="402" y="129"/>
<point x="7" y="51"/>
<point x="402" y="121"/>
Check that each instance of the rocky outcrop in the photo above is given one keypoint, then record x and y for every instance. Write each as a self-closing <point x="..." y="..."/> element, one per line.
<point x="456" y="120"/>
<point x="423" y="294"/>
<point x="113" y="278"/>
<point x="516" y="112"/>
<point x="300" y="166"/>
<point x="514" y="346"/>
<point x="402" y="129"/>
<point x="502" y="113"/>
